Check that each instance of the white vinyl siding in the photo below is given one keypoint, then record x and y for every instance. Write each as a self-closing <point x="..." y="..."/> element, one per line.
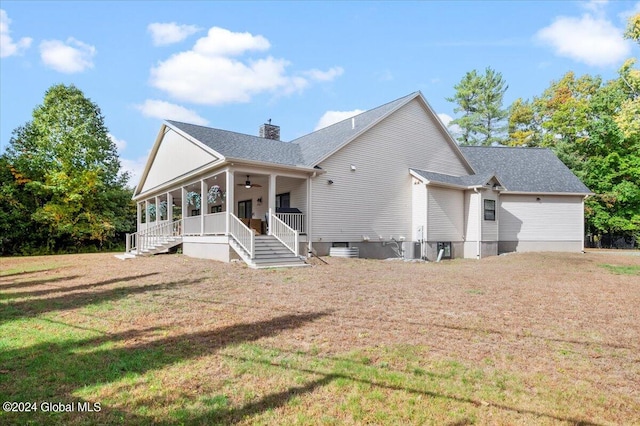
<point x="490" y="227"/>
<point x="419" y="207"/>
<point x="297" y="188"/>
<point x="471" y="216"/>
<point x="175" y="157"/>
<point x="552" y="218"/>
<point x="375" y="200"/>
<point x="445" y="216"/>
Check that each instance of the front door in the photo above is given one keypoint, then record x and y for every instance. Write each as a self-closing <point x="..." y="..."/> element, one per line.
<point x="244" y="209"/>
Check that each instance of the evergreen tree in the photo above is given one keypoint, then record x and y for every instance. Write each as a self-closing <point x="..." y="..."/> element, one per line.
<point x="480" y="98"/>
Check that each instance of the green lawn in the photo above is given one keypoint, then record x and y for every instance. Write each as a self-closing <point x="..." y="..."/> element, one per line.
<point x="174" y="340"/>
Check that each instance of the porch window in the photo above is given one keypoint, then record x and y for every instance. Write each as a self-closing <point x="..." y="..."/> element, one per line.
<point x="489" y="209"/>
<point x="244" y="209"/>
<point x="283" y="200"/>
<point x="216" y="209"/>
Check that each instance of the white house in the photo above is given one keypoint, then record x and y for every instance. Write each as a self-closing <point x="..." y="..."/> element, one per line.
<point x="390" y="181"/>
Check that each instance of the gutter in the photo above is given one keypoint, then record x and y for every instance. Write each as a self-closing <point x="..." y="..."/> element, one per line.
<point x="581" y="194"/>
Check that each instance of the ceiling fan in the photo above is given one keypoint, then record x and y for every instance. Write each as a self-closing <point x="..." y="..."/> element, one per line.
<point x="247" y="184"/>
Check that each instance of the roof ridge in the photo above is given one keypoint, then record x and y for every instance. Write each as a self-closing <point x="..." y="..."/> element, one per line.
<point x="225" y="130"/>
<point x="357" y="115"/>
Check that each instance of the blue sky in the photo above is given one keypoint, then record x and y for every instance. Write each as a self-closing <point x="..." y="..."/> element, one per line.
<point x="234" y="65"/>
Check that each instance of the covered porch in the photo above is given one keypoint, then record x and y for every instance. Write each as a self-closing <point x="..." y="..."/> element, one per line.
<point x="234" y="203"/>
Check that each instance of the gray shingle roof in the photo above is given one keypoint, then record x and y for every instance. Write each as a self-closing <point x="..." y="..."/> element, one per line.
<point x="305" y="151"/>
<point x="241" y="146"/>
<point x="518" y="169"/>
<point x="465" y="181"/>
<point x="524" y="169"/>
<point x="317" y="145"/>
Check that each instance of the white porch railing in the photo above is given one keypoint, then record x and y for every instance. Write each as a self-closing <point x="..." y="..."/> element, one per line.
<point x="192" y="225"/>
<point x="215" y="224"/>
<point x="142" y="227"/>
<point x="283" y="232"/>
<point x="152" y="236"/>
<point x="242" y="234"/>
<point x="293" y="220"/>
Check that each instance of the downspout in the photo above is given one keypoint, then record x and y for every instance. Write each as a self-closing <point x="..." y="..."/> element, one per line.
<point x="475" y="189"/>
<point x="425" y="234"/>
<point x="309" y="214"/>
<point x="583" y="224"/>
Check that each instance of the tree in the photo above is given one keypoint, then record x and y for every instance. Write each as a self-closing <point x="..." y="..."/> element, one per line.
<point x="594" y="128"/>
<point x="66" y="174"/>
<point x="466" y="96"/>
<point x="633" y="28"/>
<point x="480" y="99"/>
<point x="524" y="128"/>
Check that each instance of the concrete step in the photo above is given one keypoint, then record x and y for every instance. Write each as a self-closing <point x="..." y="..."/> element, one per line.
<point x="269" y="253"/>
<point x="125" y="256"/>
<point x="287" y="260"/>
<point x="279" y="250"/>
<point x="280" y="265"/>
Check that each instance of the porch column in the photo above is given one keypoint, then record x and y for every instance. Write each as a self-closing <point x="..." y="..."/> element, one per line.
<point x="272" y="198"/>
<point x="146" y="214"/>
<point x="138" y="216"/>
<point x="169" y="207"/>
<point x="229" y="198"/>
<point x="184" y="203"/>
<point x="204" y="204"/>
<point x="157" y="201"/>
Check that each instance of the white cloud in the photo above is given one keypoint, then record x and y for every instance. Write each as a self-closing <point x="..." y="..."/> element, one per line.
<point x="167" y="111"/>
<point x="328" y="75"/>
<point x="7" y="46"/>
<point x="222" y="42"/>
<point x="214" y="73"/>
<point x="169" y="33"/>
<point x="332" y="117"/>
<point x="446" y="119"/>
<point x="134" y="167"/>
<point x="120" y="144"/>
<point x="595" y="6"/>
<point x="67" y="57"/>
<point x="594" y="41"/>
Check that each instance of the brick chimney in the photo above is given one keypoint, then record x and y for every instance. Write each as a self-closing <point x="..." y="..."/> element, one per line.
<point x="270" y="131"/>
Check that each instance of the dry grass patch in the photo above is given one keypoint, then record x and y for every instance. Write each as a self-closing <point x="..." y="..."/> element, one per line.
<point x="538" y="338"/>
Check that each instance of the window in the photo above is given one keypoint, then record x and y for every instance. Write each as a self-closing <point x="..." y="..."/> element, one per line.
<point x="244" y="209"/>
<point x="489" y="209"/>
<point x="283" y="200"/>
<point x="195" y="212"/>
<point x="216" y="209"/>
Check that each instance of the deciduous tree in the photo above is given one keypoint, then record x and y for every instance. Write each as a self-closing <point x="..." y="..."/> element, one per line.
<point x="66" y="174"/>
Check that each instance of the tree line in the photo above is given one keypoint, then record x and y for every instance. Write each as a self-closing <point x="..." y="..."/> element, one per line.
<point x="592" y="125"/>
